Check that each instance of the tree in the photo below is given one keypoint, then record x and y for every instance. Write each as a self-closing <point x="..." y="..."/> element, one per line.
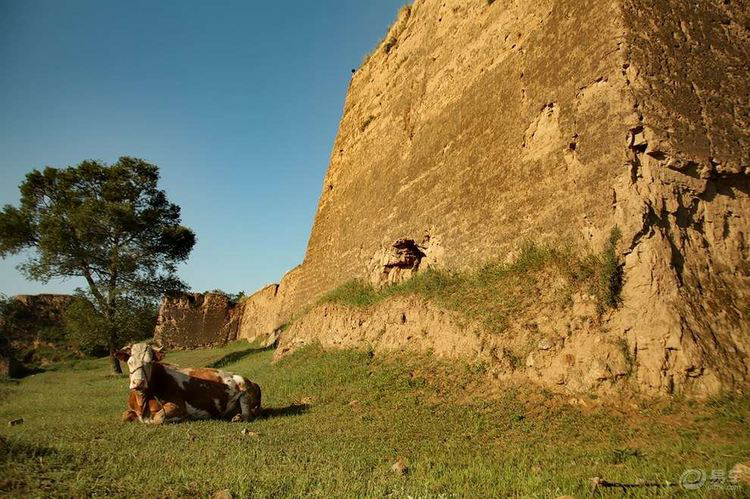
<point x="110" y="225"/>
<point x="135" y="318"/>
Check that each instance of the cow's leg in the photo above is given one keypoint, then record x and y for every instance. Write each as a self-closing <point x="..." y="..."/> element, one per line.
<point x="254" y="392"/>
<point x="129" y="416"/>
<point x="133" y="406"/>
<point x="249" y="402"/>
<point x="167" y="413"/>
<point x="244" y="414"/>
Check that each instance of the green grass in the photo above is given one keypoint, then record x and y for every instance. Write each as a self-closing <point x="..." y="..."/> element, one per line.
<point x="608" y="284"/>
<point x="497" y="291"/>
<point x="627" y="354"/>
<point x="458" y="437"/>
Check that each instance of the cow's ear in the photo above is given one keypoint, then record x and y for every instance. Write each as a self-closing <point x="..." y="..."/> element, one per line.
<point x="123" y="354"/>
<point x="158" y="353"/>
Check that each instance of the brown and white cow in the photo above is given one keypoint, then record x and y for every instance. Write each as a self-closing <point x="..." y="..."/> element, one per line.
<point x="163" y="393"/>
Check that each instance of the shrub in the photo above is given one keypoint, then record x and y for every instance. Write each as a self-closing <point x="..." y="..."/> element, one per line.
<point x="604" y="274"/>
<point x="610" y="274"/>
<point x="234" y="298"/>
<point x="627" y="354"/>
<point x="31" y="337"/>
<point x="86" y="328"/>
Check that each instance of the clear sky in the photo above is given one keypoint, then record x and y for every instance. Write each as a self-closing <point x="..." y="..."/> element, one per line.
<point x="237" y="102"/>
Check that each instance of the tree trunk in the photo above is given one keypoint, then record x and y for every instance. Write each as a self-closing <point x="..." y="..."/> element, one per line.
<point x="111" y="325"/>
<point x="112" y="339"/>
<point x="114" y="362"/>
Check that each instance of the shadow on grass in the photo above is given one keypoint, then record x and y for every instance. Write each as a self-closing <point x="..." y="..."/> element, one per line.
<point x="24" y="465"/>
<point x="24" y="371"/>
<point x="14" y="450"/>
<point x="233" y="357"/>
<point x="290" y="410"/>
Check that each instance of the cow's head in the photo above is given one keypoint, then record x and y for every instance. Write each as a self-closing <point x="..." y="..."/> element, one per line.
<point x="140" y="358"/>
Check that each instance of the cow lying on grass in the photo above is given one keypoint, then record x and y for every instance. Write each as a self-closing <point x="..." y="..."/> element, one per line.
<point x="163" y="393"/>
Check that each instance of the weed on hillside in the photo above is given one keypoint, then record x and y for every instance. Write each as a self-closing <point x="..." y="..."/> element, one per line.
<point x="607" y="271"/>
<point x="388" y="42"/>
<point x="498" y="290"/>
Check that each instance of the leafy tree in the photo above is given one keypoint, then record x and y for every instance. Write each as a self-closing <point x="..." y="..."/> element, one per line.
<point x="135" y="317"/>
<point x="110" y="225"/>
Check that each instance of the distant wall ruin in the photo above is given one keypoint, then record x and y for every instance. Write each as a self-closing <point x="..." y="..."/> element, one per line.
<point x="191" y="320"/>
<point x="36" y="319"/>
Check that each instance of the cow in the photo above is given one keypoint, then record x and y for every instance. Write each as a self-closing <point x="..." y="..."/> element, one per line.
<point x="163" y="393"/>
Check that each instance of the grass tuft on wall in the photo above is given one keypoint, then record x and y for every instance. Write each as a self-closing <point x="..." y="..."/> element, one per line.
<point x="495" y="291"/>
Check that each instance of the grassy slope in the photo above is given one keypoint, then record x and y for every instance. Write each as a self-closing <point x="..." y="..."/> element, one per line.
<point x="436" y="417"/>
<point x="497" y="291"/>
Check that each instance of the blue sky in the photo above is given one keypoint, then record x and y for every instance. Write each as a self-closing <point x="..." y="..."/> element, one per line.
<point x="238" y="102"/>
